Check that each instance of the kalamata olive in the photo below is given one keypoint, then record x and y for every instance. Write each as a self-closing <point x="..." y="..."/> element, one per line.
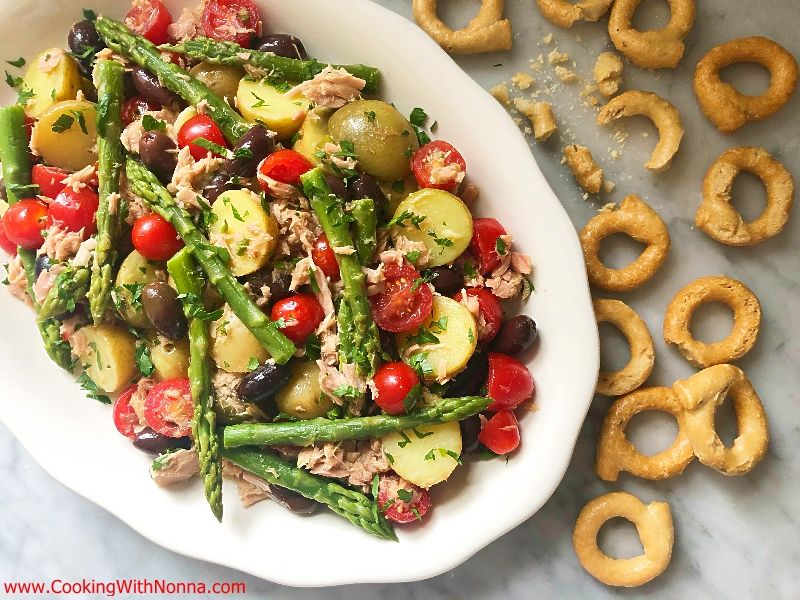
<point x="153" y="442"/>
<point x="148" y="86"/>
<point x="81" y="38"/>
<point x="337" y="186"/>
<point x="252" y="148"/>
<point x="292" y="500"/>
<point x="365" y="186"/>
<point x="283" y="44"/>
<point x="154" y="149"/>
<point x="164" y="310"/>
<point x="445" y="280"/>
<point x="43" y="263"/>
<point x="266" y="381"/>
<point x="219" y="184"/>
<point x="276" y="280"/>
<point x="470" y="428"/>
<point x="515" y="335"/>
<point x="471" y="379"/>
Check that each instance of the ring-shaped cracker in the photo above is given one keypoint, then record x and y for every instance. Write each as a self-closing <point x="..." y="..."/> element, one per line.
<point x="664" y="116"/>
<point x="636" y="219"/>
<point x="488" y="31"/>
<point x="640" y="365"/>
<point x="721" y="221"/>
<point x="722" y="103"/>
<point x="616" y="453"/>
<point x="564" y="14"/>
<point x="701" y="395"/>
<point x="746" y="320"/>
<point x="653" y="522"/>
<point x="653" y="49"/>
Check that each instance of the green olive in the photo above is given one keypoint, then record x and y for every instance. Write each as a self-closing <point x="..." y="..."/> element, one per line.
<point x="383" y="139"/>
<point x="222" y="79"/>
<point x="134" y="273"/>
<point x="231" y="410"/>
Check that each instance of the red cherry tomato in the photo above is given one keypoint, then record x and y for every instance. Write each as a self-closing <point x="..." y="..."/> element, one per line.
<point x="49" y="179"/>
<point x="168" y="408"/>
<point x="236" y="21"/>
<point x="324" y="257"/>
<point x="74" y="210"/>
<point x="405" y="301"/>
<point x="485" y="232"/>
<point x="6" y="244"/>
<point x="155" y="238"/>
<point x="509" y="383"/>
<point x="393" y="381"/>
<point x="489" y="312"/>
<point x="435" y="159"/>
<point x="125" y="418"/>
<point x="24" y="222"/>
<point x="500" y="434"/>
<point x="150" y="19"/>
<point x="301" y="314"/>
<point x="135" y="107"/>
<point x="200" y="126"/>
<point x="285" y="166"/>
<point x="402" y="501"/>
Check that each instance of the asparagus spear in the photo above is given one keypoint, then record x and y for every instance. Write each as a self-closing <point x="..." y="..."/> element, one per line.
<point x="70" y="284"/>
<point x="141" y="51"/>
<point x="365" y="229"/>
<point x="291" y="69"/>
<point x="109" y="149"/>
<point x="184" y="273"/>
<point x="353" y="506"/>
<point x="344" y="325"/>
<point x="147" y="186"/>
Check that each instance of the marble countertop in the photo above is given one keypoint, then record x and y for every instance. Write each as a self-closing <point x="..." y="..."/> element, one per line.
<point x="734" y="537"/>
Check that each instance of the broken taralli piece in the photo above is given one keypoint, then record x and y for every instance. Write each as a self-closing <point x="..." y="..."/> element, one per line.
<point x="587" y="172"/>
<point x="540" y="115"/>
<point x="488" y="31"/>
<point x="564" y="14"/>
<point x="640" y="365"/>
<point x="608" y="73"/>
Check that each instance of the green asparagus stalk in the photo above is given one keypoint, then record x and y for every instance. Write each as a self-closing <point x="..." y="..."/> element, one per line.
<point x="290" y="69"/>
<point x="204" y="424"/>
<point x="147" y="186"/>
<point x="329" y="211"/>
<point x="365" y="229"/>
<point x="344" y="325"/>
<point x="350" y="504"/>
<point x="141" y="51"/>
<point x="70" y="285"/>
<point x="110" y="92"/>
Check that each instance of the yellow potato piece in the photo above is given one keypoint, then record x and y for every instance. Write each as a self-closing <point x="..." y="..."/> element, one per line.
<point x="233" y="346"/>
<point x="183" y="116"/>
<point x="110" y="356"/>
<point x="53" y="76"/>
<point x="66" y="135"/>
<point x="260" y="102"/>
<point x="170" y="358"/>
<point x="426" y="455"/>
<point x="314" y="134"/>
<point x="302" y="397"/>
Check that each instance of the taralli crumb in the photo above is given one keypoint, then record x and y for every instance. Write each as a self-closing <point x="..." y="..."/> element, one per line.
<point x="540" y="115"/>
<point x="488" y="31"/>
<point x="654" y="49"/>
<point x="615" y="452"/>
<point x="653" y="522"/>
<point x="587" y="172"/>
<point x="722" y="103"/>
<point x="566" y="75"/>
<point x="522" y="81"/>
<point x="564" y="14"/>
<point x="608" y="73"/>
<point x="663" y="115"/>
<point x="701" y="395"/>
<point x="500" y="93"/>
<point x="640" y="365"/>
<point x="718" y="218"/>
<point x="746" y="320"/>
<point x="636" y="219"/>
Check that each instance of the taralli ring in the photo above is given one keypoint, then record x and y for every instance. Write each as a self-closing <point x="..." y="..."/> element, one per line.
<point x="655" y="49"/>
<point x="564" y="14"/>
<point x="701" y="395"/>
<point x="615" y="452"/>
<point x="488" y="31"/>
<point x="722" y="103"/>
<point x="636" y="219"/>
<point x="746" y="320"/>
<point x="721" y="221"/>
<point x="663" y="115"/>
<point x="653" y="522"/>
<point x="639" y="367"/>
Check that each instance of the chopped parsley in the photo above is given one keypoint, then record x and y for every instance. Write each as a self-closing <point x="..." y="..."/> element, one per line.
<point x="259" y="103"/>
<point x="370" y="114"/>
<point x="161" y="461"/>
<point x="135" y="297"/>
<point x="405" y="441"/>
<point x="389" y="457"/>
<point x="89" y="14"/>
<point x="346" y="391"/>
<point x="143" y="360"/>
<point x="13" y="80"/>
<point x="242" y="246"/>
<point x="527" y="288"/>
<point x="420" y="363"/>
<point x="242" y="153"/>
<point x="413" y="255"/>
<point x="252" y="364"/>
<point x="443" y="242"/>
<point x="418" y="117"/>
<point x="196" y="309"/>
<point x="407" y="215"/>
<point x="313" y="347"/>
<point x="443" y="452"/>
<point x="404" y="495"/>
<point x="92" y="391"/>
<point x="63" y="123"/>
<point x="500" y="246"/>
<point x="19" y="63"/>
<point x="469" y="270"/>
<point x="421" y="435"/>
<point x="150" y="123"/>
<point x="211" y="146"/>
<point x="24" y="95"/>
<point x="78" y="114"/>
<point x="412" y="398"/>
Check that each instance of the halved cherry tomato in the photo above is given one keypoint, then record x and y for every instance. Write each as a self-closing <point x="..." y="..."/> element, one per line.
<point x="500" y="434"/>
<point x="236" y="21"/>
<point x="402" y="501"/>
<point x="200" y="126"/>
<point x="24" y="222"/>
<point x="393" y="381"/>
<point x="6" y="244"/>
<point x="485" y="233"/>
<point x="168" y="408"/>
<point x="285" y="166"/>
<point x="324" y="257"/>
<point x="299" y="315"/>
<point x="135" y="107"/>
<point x="438" y="165"/>
<point x="125" y="418"/>
<point x="155" y="238"/>
<point x="405" y="302"/>
<point x="509" y="383"/>
<point x="75" y="210"/>
<point x="49" y="179"/>
<point x="150" y="19"/>
<point x="490" y="313"/>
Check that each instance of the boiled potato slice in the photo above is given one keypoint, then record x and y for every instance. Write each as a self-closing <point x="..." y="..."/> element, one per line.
<point x="425" y="455"/>
<point x="135" y="272"/>
<point x="245" y="229"/>
<point x="53" y="76"/>
<point x="233" y="347"/>
<point x="170" y="358"/>
<point x="66" y="135"/>
<point x="302" y="397"/>
<point x="454" y="326"/>
<point x="447" y="226"/>
<point x="260" y="102"/>
<point x="183" y="116"/>
<point x="110" y="356"/>
<point x="223" y="80"/>
<point x="314" y="134"/>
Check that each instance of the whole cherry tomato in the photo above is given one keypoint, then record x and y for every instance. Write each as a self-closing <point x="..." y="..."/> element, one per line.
<point x="438" y="165"/>
<point x="49" y="179"/>
<point x="135" y="107"/>
<point x="125" y="418"/>
<point x="509" y="383"/>
<point x="490" y="313"/>
<point x="237" y="21"/>
<point x="393" y="381"/>
<point x="500" y="434"/>
<point x="168" y="408"/>
<point x="200" y="126"/>
<point x="405" y="302"/>
<point x="402" y="501"/>
<point x="6" y="244"/>
<point x="24" y="222"/>
<point x="324" y="257"/>
<point x="155" y="238"/>
<point x="484" y="243"/>
<point x="298" y="315"/>
<point x="150" y="19"/>
<point x="285" y="166"/>
<point x="74" y="211"/>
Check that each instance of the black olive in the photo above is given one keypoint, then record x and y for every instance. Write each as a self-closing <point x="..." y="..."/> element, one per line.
<point x="471" y="379"/>
<point x="365" y="186"/>
<point x="252" y="148"/>
<point x="516" y="335"/>
<point x="276" y="280"/>
<point x="153" y="442"/>
<point x="292" y="500"/>
<point x="445" y="280"/>
<point x="266" y="381"/>
<point x="149" y="86"/>
<point x="164" y="310"/>
<point x="470" y="428"/>
<point x="156" y="149"/>
<point x="282" y="44"/>
<point x="218" y="185"/>
<point x="337" y="186"/>
<point x="43" y="263"/>
<point x="84" y="42"/>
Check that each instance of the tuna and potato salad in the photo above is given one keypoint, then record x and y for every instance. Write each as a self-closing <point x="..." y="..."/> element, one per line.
<point x="269" y="273"/>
